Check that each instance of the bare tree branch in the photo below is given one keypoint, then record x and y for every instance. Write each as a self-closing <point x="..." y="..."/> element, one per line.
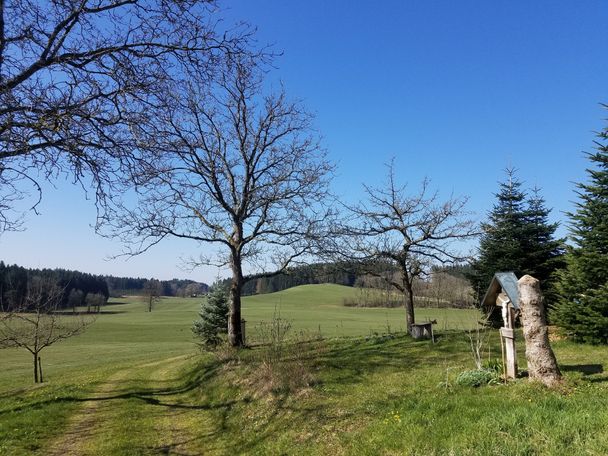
<point x="76" y="75"/>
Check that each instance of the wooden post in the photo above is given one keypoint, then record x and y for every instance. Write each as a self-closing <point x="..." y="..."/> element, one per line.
<point x="542" y="365"/>
<point x="507" y="334"/>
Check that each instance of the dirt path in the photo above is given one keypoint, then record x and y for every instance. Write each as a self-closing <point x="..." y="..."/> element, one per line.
<point x="87" y="424"/>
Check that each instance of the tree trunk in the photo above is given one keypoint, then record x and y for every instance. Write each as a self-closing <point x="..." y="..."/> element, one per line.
<point x="235" y="335"/>
<point x="40" y="370"/>
<point x="542" y="365"/>
<point x="35" y="367"/>
<point x="409" y="308"/>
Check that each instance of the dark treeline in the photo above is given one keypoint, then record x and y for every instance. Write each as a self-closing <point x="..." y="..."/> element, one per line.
<point x="119" y="286"/>
<point x="460" y="271"/>
<point x="338" y="273"/>
<point x="78" y="288"/>
<point x="81" y="289"/>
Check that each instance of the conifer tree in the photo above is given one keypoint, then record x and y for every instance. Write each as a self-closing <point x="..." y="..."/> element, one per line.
<point x="518" y="237"/>
<point x="543" y="253"/>
<point x="583" y="286"/>
<point x="213" y="317"/>
<point x="500" y="246"/>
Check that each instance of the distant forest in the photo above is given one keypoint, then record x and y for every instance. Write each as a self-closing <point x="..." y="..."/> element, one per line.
<point x="81" y="289"/>
<point x="92" y="291"/>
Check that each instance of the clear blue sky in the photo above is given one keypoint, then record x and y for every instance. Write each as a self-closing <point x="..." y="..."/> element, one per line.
<point x="455" y="91"/>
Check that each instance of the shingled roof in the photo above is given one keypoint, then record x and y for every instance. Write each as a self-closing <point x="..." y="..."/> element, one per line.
<point x="507" y="281"/>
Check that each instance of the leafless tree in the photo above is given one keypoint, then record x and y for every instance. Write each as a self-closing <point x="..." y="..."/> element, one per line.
<point x="152" y="292"/>
<point x="233" y="167"/>
<point x="38" y="324"/>
<point x="399" y="236"/>
<point x="76" y="74"/>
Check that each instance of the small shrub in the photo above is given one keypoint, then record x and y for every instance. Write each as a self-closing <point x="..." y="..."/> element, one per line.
<point x="284" y="360"/>
<point x="477" y="377"/>
<point x="494" y="365"/>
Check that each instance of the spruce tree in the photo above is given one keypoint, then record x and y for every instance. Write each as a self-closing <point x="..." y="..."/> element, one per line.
<point x="518" y="237"/>
<point x="500" y="245"/>
<point x="213" y="318"/>
<point x="543" y="254"/>
<point x="582" y="309"/>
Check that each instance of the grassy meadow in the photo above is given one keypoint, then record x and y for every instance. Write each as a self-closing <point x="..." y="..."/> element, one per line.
<point x="134" y="383"/>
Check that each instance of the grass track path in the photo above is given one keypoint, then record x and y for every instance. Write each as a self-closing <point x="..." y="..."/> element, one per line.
<point x="89" y="430"/>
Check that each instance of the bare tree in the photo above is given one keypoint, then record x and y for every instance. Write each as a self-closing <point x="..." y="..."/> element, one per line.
<point x="75" y="74"/>
<point x="235" y="168"/>
<point x="38" y="324"/>
<point x="152" y="291"/>
<point x="399" y="236"/>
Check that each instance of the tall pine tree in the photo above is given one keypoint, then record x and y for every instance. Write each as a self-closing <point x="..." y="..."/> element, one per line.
<point x="517" y="237"/>
<point x="583" y="286"/>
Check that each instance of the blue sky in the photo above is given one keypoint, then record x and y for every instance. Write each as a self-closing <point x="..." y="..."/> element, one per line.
<point x="455" y="91"/>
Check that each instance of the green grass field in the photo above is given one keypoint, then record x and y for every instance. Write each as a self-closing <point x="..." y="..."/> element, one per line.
<point x="125" y="332"/>
<point x="135" y="384"/>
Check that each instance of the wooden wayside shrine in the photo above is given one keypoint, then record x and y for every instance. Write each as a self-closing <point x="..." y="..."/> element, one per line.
<point x="503" y="293"/>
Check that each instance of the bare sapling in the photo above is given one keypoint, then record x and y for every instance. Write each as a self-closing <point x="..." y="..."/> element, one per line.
<point x="38" y="323"/>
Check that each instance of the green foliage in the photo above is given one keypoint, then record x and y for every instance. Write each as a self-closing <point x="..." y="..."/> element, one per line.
<point x="517" y="237"/>
<point x="213" y="318"/>
<point x="494" y="365"/>
<point x="477" y="377"/>
<point x="582" y="309"/>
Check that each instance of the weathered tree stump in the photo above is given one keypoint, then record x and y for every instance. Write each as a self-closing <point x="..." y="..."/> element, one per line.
<point x="542" y="365"/>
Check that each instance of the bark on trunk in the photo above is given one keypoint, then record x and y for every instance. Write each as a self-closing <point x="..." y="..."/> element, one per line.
<point x="542" y="365"/>
<point x="235" y="335"/>
<point x="35" y="355"/>
<point x="409" y="309"/>
<point x="41" y="378"/>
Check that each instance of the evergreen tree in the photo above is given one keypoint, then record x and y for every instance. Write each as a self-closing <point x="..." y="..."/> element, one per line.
<point x="213" y="317"/>
<point x="543" y="253"/>
<point x="500" y="246"/>
<point x="518" y="237"/>
<point x="583" y="286"/>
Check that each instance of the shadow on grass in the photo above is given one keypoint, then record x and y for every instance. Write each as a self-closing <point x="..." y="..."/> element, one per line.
<point x="585" y="369"/>
<point x="352" y="361"/>
<point x="345" y="362"/>
<point x="339" y="363"/>
<point x="69" y="313"/>
<point x="144" y="394"/>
